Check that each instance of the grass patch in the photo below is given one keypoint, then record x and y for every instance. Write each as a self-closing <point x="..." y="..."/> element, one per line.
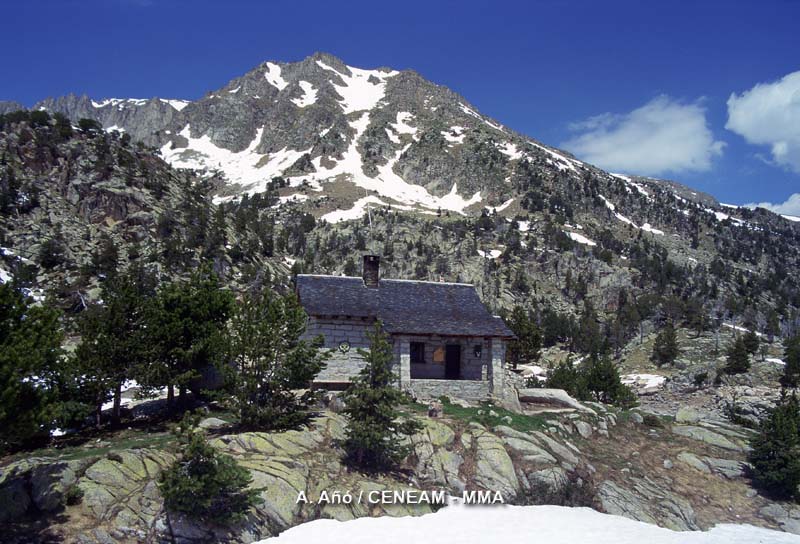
<point x="489" y="415"/>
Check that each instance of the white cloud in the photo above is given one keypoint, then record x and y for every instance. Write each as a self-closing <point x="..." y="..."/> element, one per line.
<point x="790" y="207"/>
<point x="769" y="114"/>
<point x="662" y="136"/>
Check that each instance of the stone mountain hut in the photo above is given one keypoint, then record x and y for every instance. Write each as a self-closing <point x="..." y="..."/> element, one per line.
<point x="445" y="341"/>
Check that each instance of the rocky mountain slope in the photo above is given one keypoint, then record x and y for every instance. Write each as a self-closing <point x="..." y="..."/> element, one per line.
<point x="683" y="475"/>
<point x="342" y="143"/>
<point x="392" y="136"/>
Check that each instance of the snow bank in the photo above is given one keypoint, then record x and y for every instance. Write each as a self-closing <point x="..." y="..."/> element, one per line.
<point x="646" y="227"/>
<point x="177" y="104"/>
<point x="273" y="76"/>
<point x="510" y="150"/>
<point x="501" y="207"/>
<point x="644" y="383"/>
<point x="580" y="238"/>
<point x="455" y="135"/>
<point x="358" y="92"/>
<point x="402" y="126"/>
<point x="740" y="329"/>
<point x="518" y="525"/>
<point x="491" y="254"/>
<point x="309" y="95"/>
<point x="387" y="183"/>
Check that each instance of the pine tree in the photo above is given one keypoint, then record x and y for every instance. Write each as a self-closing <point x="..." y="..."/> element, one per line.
<point x="602" y="378"/>
<point x="30" y="365"/>
<point x="205" y="484"/>
<point x="791" y="358"/>
<point x="113" y="339"/>
<point x="737" y="360"/>
<point x="374" y="427"/>
<point x="271" y="361"/>
<point x="567" y="377"/>
<point x="186" y="326"/>
<point x="773" y="325"/>
<point x="751" y="342"/>
<point x="776" y="451"/>
<point x="665" y="348"/>
<point x="528" y="343"/>
<point x="588" y="338"/>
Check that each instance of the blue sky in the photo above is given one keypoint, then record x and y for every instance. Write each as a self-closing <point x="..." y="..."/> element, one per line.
<point x="638" y="87"/>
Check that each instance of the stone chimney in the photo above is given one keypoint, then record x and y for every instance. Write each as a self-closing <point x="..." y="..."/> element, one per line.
<point x="372" y="270"/>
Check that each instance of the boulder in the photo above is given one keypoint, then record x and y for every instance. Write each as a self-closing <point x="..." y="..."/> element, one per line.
<point x="552" y="397"/>
<point x="14" y="498"/>
<point x="728" y="468"/>
<point x="693" y="461"/>
<point x="583" y="428"/>
<point x="494" y="470"/>
<point x="212" y="423"/>
<point x="564" y="454"/>
<point x="687" y="414"/>
<point x="550" y="480"/>
<point x="637" y="418"/>
<point x="50" y="482"/>
<point x="713" y="438"/>
<point x="643" y="500"/>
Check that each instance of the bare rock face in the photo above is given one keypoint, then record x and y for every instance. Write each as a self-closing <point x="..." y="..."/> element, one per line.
<point x="7" y="106"/>
<point x="141" y="118"/>
<point x="643" y="500"/>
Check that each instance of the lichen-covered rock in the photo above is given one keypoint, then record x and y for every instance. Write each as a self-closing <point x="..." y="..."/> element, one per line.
<point x="709" y="437"/>
<point x="583" y="428"/>
<point x="693" y="461"/>
<point x="494" y="469"/>
<point x="643" y="500"/>
<point x="551" y="480"/>
<point x="564" y="454"/>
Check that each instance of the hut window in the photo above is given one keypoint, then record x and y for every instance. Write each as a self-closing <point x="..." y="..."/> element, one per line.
<point x="417" y="352"/>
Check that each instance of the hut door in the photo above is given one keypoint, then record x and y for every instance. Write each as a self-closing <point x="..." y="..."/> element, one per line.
<point x="452" y="362"/>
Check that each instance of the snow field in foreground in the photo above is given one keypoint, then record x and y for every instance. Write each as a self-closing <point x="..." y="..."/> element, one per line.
<point x="519" y="525"/>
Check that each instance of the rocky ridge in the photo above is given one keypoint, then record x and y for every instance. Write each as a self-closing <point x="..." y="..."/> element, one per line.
<point x="678" y="475"/>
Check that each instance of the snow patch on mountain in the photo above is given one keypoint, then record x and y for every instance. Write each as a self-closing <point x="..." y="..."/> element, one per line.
<point x="177" y="104"/>
<point x="309" y="95"/>
<point x="561" y="162"/>
<point x="359" y="208"/>
<point x="387" y="183"/>
<point x="273" y="76"/>
<point x="359" y="92"/>
<point x="120" y="103"/>
<point x="469" y="111"/>
<point x="580" y="238"/>
<point x="245" y="167"/>
<point x="510" y="150"/>
<point x="501" y="207"/>
<point x="630" y="183"/>
<point x="402" y="126"/>
<point x="646" y="227"/>
<point x="455" y="135"/>
<point x="491" y="254"/>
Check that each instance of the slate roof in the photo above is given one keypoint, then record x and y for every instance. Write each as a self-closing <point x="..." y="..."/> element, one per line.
<point x="404" y="307"/>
